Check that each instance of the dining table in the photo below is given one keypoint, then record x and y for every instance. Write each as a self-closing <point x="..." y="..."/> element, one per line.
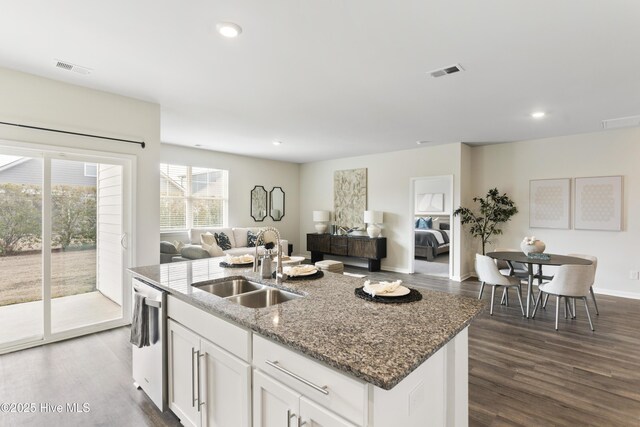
<point x="529" y="261"/>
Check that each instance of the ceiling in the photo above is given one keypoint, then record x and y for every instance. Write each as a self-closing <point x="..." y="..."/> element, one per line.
<point x="337" y="78"/>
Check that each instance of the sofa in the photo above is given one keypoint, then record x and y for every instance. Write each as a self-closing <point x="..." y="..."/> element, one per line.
<point x="193" y="248"/>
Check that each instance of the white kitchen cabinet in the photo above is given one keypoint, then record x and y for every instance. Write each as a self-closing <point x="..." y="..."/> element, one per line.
<point x="276" y="405"/>
<point x="207" y="386"/>
<point x="226" y="387"/>
<point x="182" y="345"/>
<point x="314" y="415"/>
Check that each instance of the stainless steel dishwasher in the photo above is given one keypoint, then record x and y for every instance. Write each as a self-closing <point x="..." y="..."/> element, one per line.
<point x="149" y="364"/>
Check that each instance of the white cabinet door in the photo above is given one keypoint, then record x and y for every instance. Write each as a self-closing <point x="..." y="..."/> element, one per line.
<point x="314" y="415"/>
<point x="182" y="346"/>
<point x="226" y="388"/>
<point x="274" y="405"/>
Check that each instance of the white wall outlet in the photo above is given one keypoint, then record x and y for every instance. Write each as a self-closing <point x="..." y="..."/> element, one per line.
<point x="634" y="275"/>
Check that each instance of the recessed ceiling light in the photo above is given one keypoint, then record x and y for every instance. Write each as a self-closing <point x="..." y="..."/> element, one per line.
<point x="229" y="29"/>
<point x="277" y="142"/>
<point x="198" y="145"/>
<point x="538" y="114"/>
<point x="422" y="142"/>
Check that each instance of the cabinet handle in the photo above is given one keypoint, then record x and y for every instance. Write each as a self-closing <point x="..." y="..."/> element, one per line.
<point x="198" y="355"/>
<point x="193" y="369"/>
<point x="303" y="423"/>
<point x="275" y="364"/>
<point x="289" y="416"/>
<point x="200" y="402"/>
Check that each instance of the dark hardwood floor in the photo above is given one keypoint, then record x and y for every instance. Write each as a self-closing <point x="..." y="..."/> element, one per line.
<point x="521" y="372"/>
<point x="94" y="369"/>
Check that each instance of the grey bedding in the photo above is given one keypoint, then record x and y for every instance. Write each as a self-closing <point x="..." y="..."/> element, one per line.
<point x="427" y="244"/>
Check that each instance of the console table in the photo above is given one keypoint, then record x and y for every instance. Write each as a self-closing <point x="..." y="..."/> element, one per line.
<point x="351" y="246"/>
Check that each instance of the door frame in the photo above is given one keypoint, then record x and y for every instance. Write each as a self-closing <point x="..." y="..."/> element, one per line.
<point x="47" y="153"/>
<point x="411" y="243"/>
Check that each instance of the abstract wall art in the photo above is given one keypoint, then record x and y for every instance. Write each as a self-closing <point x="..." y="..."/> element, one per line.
<point x="350" y="197"/>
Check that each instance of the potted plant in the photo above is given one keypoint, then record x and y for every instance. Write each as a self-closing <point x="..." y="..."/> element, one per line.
<point x="495" y="209"/>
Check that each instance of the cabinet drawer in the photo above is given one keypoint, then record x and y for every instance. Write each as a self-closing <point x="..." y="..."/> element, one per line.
<point x="345" y="396"/>
<point x="230" y="337"/>
<point x="339" y="245"/>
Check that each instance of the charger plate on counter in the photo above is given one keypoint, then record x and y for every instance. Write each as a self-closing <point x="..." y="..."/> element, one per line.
<point x="318" y="274"/>
<point x="412" y="296"/>
<point x="227" y="265"/>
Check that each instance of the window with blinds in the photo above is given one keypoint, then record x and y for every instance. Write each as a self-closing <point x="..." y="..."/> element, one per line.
<point x="191" y="197"/>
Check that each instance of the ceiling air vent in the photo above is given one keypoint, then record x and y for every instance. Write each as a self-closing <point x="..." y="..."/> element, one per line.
<point x="446" y="70"/>
<point x="72" y="67"/>
<point x="621" y="122"/>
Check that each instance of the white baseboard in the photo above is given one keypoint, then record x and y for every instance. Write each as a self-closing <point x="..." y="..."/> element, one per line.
<point x="614" y="293"/>
<point x="461" y="278"/>
<point x="395" y="269"/>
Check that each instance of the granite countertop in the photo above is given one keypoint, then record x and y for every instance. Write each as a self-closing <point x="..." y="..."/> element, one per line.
<point x="378" y="343"/>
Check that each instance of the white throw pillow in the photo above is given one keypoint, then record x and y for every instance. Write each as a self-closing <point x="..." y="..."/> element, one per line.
<point x="208" y="239"/>
<point x="214" y="250"/>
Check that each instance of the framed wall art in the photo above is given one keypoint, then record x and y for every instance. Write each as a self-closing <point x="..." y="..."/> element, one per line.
<point x="429" y="203"/>
<point x="550" y="203"/>
<point x="350" y="197"/>
<point x="598" y="203"/>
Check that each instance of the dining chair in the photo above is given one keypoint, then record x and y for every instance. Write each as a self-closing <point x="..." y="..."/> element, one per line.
<point x="489" y="274"/>
<point x="517" y="269"/>
<point x="570" y="281"/>
<point x="594" y="264"/>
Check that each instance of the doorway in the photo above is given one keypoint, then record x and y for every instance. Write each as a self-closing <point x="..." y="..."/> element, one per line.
<point x="64" y="223"/>
<point x="431" y="214"/>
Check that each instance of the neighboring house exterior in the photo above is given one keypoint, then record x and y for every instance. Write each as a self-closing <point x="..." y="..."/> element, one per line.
<point x="26" y="170"/>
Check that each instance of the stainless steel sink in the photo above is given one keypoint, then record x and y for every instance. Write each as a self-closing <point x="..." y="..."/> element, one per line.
<point x="229" y="288"/>
<point x="264" y="298"/>
<point x="244" y="292"/>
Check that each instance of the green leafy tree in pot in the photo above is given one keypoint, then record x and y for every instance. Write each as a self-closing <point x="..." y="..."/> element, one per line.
<point x="495" y="209"/>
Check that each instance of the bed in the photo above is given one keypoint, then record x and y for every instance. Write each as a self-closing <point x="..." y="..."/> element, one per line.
<point x="431" y="242"/>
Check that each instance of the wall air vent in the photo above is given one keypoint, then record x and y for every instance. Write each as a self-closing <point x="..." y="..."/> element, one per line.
<point x="64" y="65"/>
<point x="621" y="122"/>
<point x="446" y="70"/>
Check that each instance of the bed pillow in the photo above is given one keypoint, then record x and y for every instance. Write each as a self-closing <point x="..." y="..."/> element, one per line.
<point x="444" y="226"/>
<point x="424" y="223"/>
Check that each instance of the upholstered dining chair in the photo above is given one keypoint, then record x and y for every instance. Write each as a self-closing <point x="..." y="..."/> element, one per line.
<point x="489" y="274"/>
<point x="570" y="281"/>
<point x="519" y="270"/>
<point x="594" y="264"/>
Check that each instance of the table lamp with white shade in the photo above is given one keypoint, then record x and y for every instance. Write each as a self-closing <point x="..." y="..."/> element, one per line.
<point x="321" y="218"/>
<point x="373" y="218"/>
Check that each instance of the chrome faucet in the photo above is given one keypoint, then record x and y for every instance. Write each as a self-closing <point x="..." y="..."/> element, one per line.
<point x="280" y="276"/>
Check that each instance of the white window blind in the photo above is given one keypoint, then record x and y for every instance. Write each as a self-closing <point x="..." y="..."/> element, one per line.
<point x="192" y="197"/>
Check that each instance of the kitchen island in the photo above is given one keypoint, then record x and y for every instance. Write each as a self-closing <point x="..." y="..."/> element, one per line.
<point x="326" y="356"/>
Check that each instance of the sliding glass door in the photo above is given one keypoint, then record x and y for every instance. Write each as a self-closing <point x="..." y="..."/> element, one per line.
<point x="76" y="207"/>
<point x="21" y="304"/>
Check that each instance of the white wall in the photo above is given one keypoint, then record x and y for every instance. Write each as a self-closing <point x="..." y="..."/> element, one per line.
<point x="389" y="190"/>
<point x="510" y="167"/>
<point x="43" y="102"/>
<point x="244" y="174"/>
